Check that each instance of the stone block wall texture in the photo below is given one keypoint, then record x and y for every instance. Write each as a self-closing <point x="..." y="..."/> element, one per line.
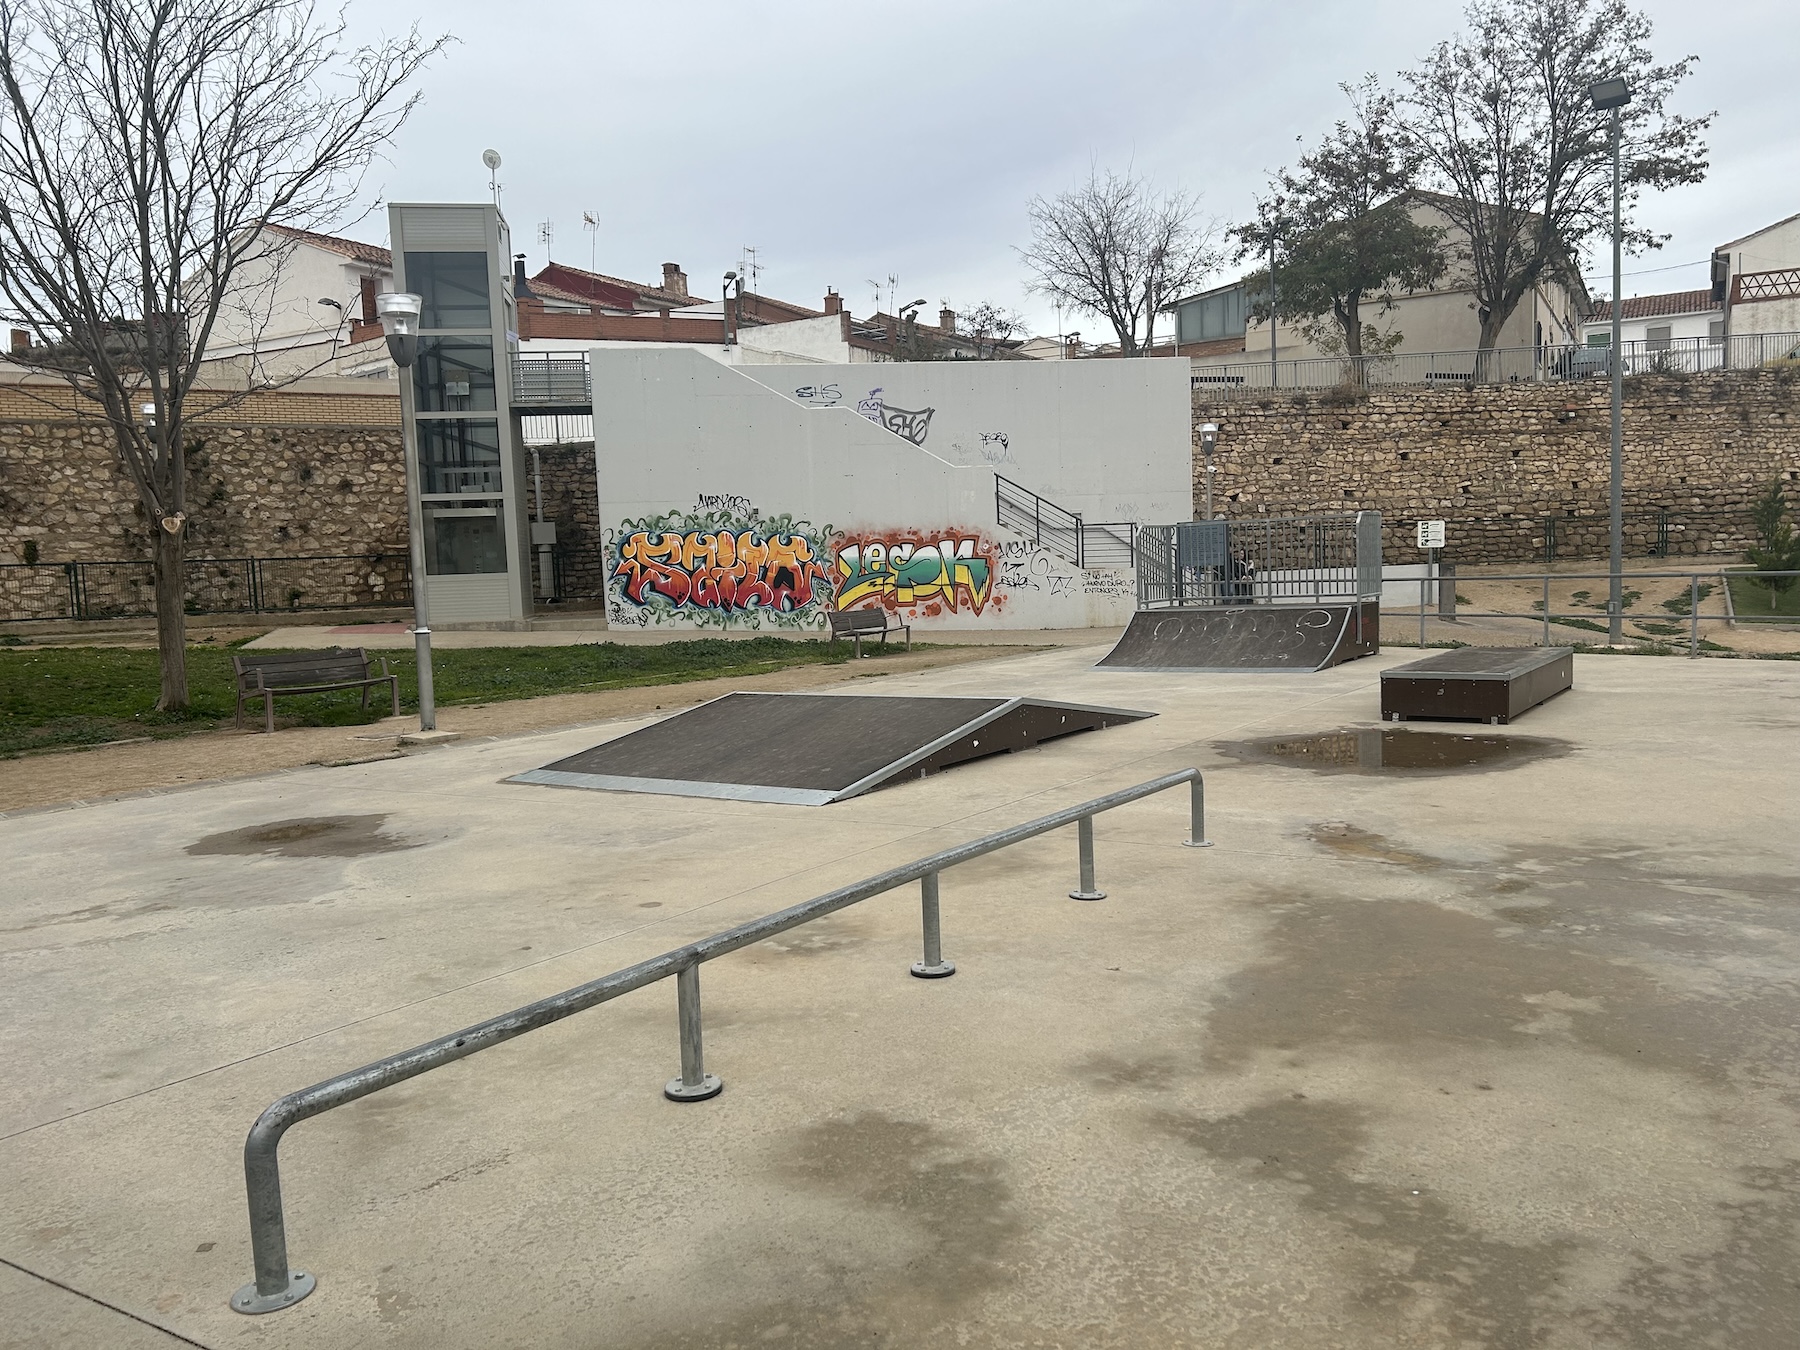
<point x="312" y="485"/>
<point x="1498" y="461"/>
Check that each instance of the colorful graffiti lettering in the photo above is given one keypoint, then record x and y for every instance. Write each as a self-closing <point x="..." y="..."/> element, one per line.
<point x="722" y="568"/>
<point x="905" y="569"/>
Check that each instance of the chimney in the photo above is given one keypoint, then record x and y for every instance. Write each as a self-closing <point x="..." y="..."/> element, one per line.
<point x="947" y="320"/>
<point x="521" y="287"/>
<point x="368" y="301"/>
<point x="674" y="279"/>
<point x="21" y="339"/>
<point x="834" y="303"/>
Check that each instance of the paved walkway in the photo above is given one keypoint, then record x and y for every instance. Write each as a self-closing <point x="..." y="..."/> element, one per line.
<point x="1501" y="1058"/>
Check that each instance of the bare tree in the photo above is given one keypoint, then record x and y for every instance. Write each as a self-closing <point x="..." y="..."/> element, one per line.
<point x="1501" y="114"/>
<point x="991" y="329"/>
<point x="1116" y="249"/>
<point x="145" y="147"/>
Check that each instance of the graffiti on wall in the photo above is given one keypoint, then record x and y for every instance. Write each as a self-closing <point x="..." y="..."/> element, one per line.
<point x="937" y="570"/>
<point x="913" y="424"/>
<point x="723" y="567"/>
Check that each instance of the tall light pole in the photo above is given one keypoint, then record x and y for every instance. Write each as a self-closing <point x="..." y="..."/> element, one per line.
<point x="1209" y="437"/>
<point x="1611" y="96"/>
<point x="399" y="312"/>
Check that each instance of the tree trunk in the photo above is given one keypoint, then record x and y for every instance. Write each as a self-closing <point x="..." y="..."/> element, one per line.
<point x="171" y="618"/>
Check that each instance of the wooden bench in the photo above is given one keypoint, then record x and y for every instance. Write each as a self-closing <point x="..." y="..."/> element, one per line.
<point x="308" y="673"/>
<point x="857" y="624"/>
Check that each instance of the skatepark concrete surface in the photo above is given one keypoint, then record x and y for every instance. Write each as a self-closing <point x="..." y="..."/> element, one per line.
<point x="1493" y="1058"/>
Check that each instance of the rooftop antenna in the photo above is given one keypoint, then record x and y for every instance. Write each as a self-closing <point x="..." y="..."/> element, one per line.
<point x="491" y="158"/>
<point x="590" y="221"/>
<point x="749" y="268"/>
<point x="546" y="235"/>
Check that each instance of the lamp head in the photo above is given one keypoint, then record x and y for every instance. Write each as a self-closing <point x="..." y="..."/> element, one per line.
<point x="399" y="314"/>
<point x="1610" y="93"/>
<point x="1209" y="435"/>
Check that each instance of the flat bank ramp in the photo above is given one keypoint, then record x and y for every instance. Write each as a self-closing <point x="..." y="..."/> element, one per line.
<point x="813" y="749"/>
<point x="1250" y="638"/>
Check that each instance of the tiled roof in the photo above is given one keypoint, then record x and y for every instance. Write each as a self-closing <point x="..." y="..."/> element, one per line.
<point x="656" y="295"/>
<point x="355" y="250"/>
<point x="1655" y="306"/>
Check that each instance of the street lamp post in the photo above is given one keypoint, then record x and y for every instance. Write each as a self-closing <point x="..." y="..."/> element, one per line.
<point x="1209" y="437"/>
<point x="399" y="312"/>
<point x="1611" y="96"/>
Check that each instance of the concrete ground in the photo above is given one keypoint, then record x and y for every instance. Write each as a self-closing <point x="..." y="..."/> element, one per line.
<point x="1496" y="1058"/>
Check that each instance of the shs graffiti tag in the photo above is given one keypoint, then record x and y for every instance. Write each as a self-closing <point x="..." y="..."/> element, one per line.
<point x="897" y="570"/>
<point x="716" y="570"/>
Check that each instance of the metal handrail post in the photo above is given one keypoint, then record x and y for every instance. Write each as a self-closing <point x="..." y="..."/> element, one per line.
<point x="1546" y="610"/>
<point x="276" y="1286"/>
<point x="933" y="967"/>
<point x="1694" y="617"/>
<point x="695" y="1083"/>
<point x="1424" y="585"/>
<point x="1197" y="815"/>
<point x="1084" y="832"/>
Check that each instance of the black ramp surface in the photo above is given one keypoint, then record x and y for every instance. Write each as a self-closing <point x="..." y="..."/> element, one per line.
<point x="1251" y="638"/>
<point x="811" y="749"/>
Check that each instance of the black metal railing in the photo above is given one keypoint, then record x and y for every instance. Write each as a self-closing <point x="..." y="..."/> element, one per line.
<point x="278" y="1286"/>
<point x="126" y="589"/>
<point x="1260" y="560"/>
<point x="1042" y="521"/>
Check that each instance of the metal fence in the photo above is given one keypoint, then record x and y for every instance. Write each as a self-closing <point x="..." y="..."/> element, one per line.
<point x="127" y="589"/>
<point x="1273" y="560"/>
<point x="559" y="380"/>
<point x="1679" y="625"/>
<point x="1502" y="365"/>
<point x="277" y="1286"/>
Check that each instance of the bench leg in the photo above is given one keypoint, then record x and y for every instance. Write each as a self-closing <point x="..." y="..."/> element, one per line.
<point x="238" y="720"/>
<point x="268" y="712"/>
<point x="857" y="640"/>
<point x="394" y="688"/>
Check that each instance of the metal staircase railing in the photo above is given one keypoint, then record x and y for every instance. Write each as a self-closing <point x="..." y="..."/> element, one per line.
<point x="277" y="1286"/>
<point x="1061" y="531"/>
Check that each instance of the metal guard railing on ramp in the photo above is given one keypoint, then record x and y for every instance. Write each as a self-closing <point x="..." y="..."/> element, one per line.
<point x="277" y="1286"/>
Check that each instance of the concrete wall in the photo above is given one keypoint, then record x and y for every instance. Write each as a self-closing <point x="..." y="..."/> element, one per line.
<point x="1105" y="439"/>
<point x="1497" y="460"/>
<point x="726" y="503"/>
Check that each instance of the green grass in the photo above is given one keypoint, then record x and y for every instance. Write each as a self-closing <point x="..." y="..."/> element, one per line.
<point x="1682" y="604"/>
<point x="1750" y="601"/>
<point x="58" y="697"/>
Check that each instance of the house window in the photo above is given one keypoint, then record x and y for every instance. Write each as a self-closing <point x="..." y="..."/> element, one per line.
<point x="1220" y="315"/>
<point x="1715" y="331"/>
<point x="1658" y="337"/>
<point x="1599" y="339"/>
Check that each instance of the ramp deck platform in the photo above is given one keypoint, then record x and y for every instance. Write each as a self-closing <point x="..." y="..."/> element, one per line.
<point x="1477" y="684"/>
<point x="813" y="749"/>
<point x="1248" y="638"/>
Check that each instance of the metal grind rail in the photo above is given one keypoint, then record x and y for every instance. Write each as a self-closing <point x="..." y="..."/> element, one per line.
<point x="277" y="1286"/>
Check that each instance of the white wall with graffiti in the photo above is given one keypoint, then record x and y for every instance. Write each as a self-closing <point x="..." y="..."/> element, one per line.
<point x="728" y="502"/>
<point x="1110" y="440"/>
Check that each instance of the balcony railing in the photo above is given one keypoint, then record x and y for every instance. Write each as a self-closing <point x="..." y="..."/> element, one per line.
<point x="559" y="381"/>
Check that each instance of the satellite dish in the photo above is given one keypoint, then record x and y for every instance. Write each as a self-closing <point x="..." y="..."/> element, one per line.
<point x="491" y="158"/>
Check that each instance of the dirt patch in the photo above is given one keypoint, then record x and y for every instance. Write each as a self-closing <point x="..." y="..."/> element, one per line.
<point x="304" y="837"/>
<point x="1395" y="750"/>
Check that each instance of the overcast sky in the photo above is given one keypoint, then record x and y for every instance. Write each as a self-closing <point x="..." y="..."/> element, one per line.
<point x="851" y="141"/>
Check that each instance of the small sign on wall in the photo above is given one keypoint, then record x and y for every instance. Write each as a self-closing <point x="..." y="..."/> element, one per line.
<point x="1431" y="534"/>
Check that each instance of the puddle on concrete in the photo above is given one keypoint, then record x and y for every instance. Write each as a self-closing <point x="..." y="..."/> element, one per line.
<point x="306" y="837"/>
<point x="1395" y="750"/>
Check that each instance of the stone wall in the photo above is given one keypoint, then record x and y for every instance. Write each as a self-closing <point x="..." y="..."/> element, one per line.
<point x="298" y="477"/>
<point x="1497" y="461"/>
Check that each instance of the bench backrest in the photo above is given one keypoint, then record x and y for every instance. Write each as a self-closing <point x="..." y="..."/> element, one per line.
<point x="282" y="669"/>
<point x="858" y="621"/>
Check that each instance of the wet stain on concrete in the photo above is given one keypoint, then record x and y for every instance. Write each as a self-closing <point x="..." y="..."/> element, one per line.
<point x="1349" y="841"/>
<point x="305" y="837"/>
<point x="958" y="1204"/>
<point x="1395" y="750"/>
<point x="1419" y="1264"/>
